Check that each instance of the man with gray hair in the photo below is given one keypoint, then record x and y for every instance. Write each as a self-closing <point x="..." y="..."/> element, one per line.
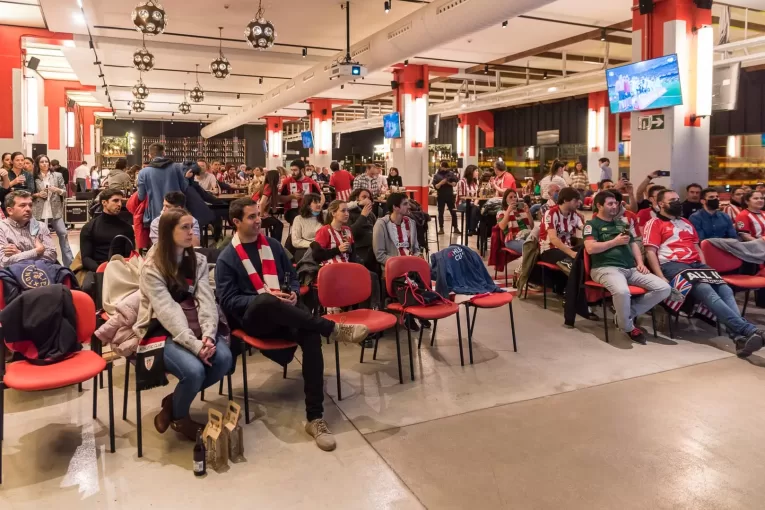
<point x="21" y="236"/>
<point x="502" y="179"/>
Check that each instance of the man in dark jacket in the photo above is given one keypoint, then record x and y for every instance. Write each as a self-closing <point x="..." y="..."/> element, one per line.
<point x="445" y="181"/>
<point x="158" y="179"/>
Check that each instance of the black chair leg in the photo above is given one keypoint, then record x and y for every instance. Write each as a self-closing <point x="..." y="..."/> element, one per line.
<point x="284" y="374"/>
<point x="125" y="397"/>
<point x="2" y="415"/>
<point x="398" y="355"/>
<point x="419" y="342"/>
<point x="605" y="315"/>
<point x="719" y="330"/>
<point x="377" y="341"/>
<point x="746" y="302"/>
<point x="101" y="380"/>
<point x="471" y="324"/>
<point x="95" y="397"/>
<point x="671" y="333"/>
<point x="138" y="421"/>
<point x="244" y="383"/>
<point x="230" y="387"/>
<point x="544" y="287"/>
<point x="110" y="389"/>
<point x="433" y="333"/>
<point x="470" y="333"/>
<point x="361" y="356"/>
<point x="653" y="322"/>
<point x="512" y="328"/>
<point x="459" y="338"/>
<point x="337" y="370"/>
<point x="79" y="387"/>
<point x="411" y="357"/>
<point x="202" y="395"/>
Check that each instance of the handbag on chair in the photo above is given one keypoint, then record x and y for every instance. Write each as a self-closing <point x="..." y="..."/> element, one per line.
<point x="410" y="290"/>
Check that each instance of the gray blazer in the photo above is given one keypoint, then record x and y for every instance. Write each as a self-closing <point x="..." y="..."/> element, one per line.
<point x="56" y="201"/>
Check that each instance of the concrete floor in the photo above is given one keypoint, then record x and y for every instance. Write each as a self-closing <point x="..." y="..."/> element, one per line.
<point x="567" y="422"/>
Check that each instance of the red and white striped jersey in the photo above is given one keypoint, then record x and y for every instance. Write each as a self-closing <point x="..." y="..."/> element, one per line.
<point x="329" y="238"/>
<point x="567" y="226"/>
<point x="402" y="235"/>
<point x="733" y="211"/>
<point x="467" y="191"/>
<point x="752" y="223"/>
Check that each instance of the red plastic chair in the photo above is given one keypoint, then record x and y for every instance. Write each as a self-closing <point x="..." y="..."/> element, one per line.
<point x="723" y="262"/>
<point x="262" y="345"/>
<point x="347" y="285"/>
<point x="488" y="301"/>
<point x="398" y="266"/>
<point x="76" y="369"/>
<point x="634" y="291"/>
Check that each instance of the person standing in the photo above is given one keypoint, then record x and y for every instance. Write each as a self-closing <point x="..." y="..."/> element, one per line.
<point x="579" y="179"/>
<point x="502" y="179"/>
<point x="48" y="205"/>
<point x="444" y="181"/>
<point x="617" y="264"/>
<point x="467" y="189"/>
<point x="324" y="176"/>
<point x="341" y="180"/>
<point x="672" y="246"/>
<point x="295" y="188"/>
<point x="369" y="181"/>
<point x="750" y="223"/>
<point x="710" y="222"/>
<point x="605" y="169"/>
<point x="692" y="200"/>
<point x="118" y="177"/>
<point x="64" y="171"/>
<point x="252" y="275"/>
<point x="158" y="179"/>
<point x="394" y="179"/>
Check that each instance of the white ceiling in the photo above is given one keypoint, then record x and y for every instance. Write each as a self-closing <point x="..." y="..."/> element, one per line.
<point x="314" y="23"/>
<point x="21" y="13"/>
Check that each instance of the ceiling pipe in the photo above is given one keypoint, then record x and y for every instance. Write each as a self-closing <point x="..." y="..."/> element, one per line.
<point x="430" y="27"/>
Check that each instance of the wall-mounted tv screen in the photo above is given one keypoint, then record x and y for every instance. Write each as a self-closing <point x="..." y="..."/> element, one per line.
<point x="645" y="85"/>
<point x="392" y="125"/>
<point x="307" y="139"/>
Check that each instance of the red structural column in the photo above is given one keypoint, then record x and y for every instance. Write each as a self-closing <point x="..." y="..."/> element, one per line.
<point x="481" y="120"/>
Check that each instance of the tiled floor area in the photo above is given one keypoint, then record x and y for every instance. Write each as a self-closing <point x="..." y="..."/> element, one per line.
<point x="567" y="422"/>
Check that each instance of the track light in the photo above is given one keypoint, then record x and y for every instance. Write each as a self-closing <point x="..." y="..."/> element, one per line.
<point x="238" y="96"/>
<point x="387" y="6"/>
<point x="208" y="116"/>
<point x="305" y="52"/>
<point x="101" y="75"/>
<point x="544" y="77"/>
<point x="218" y="107"/>
<point x="406" y="63"/>
<point x="342" y="87"/>
<point x="504" y="24"/>
<point x="603" y="34"/>
<point x="260" y="80"/>
<point x="486" y="69"/>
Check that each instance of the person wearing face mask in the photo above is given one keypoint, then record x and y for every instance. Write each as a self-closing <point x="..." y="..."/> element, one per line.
<point x="736" y="205"/>
<point x="306" y="225"/>
<point x="672" y="247"/>
<point x="710" y="222"/>
<point x="646" y="215"/>
<point x="617" y="263"/>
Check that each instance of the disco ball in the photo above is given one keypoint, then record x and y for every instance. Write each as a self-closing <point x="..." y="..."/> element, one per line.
<point x="260" y="34"/>
<point x="220" y="67"/>
<point x="143" y="59"/>
<point x="197" y="95"/>
<point x="149" y="18"/>
<point x="140" y="90"/>
<point x="138" y="106"/>
<point x="184" y="108"/>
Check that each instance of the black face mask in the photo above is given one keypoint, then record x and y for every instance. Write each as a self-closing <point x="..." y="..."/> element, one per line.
<point x="713" y="204"/>
<point x="675" y="209"/>
<point x="735" y="202"/>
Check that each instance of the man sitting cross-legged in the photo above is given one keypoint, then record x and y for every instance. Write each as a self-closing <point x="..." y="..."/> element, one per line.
<point x="672" y="246"/>
<point x="617" y="264"/>
<point x="249" y="275"/>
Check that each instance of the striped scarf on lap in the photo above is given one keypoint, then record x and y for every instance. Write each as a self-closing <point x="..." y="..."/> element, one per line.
<point x="270" y="273"/>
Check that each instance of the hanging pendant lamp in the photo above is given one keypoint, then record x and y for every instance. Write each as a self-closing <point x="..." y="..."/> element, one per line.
<point x="220" y="67"/>
<point x="149" y="18"/>
<point x="260" y="33"/>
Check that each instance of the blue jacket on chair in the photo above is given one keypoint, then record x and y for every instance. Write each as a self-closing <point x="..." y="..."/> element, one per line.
<point x="461" y="270"/>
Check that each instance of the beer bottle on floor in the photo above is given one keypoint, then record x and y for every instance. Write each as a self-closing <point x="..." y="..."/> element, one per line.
<point x="200" y="457"/>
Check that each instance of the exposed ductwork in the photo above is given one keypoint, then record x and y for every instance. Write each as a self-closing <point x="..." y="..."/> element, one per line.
<point x="429" y="27"/>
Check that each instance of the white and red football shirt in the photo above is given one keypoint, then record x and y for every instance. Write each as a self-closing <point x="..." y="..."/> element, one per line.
<point x="632" y="221"/>
<point x="402" y="235"/>
<point x="465" y="190"/>
<point x="733" y="211"/>
<point x="566" y="226"/>
<point x="645" y="215"/>
<point x="675" y="240"/>
<point x="342" y="181"/>
<point x="505" y="181"/>
<point x="329" y="238"/>
<point x="290" y="186"/>
<point x="752" y="223"/>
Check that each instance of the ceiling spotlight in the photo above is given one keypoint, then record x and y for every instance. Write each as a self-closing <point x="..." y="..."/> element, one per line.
<point x="305" y="52"/>
<point x="101" y="75"/>
<point x="603" y="34"/>
<point x="544" y="77"/>
<point x="342" y="87"/>
<point x="238" y="96"/>
<point x="260" y="81"/>
<point x="504" y="24"/>
<point x="149" y="18"/>
<point x="259" y="32"/>
<point x="486" y="69"/>
<point x="387" y="6"/>
<point x="406" y="63"/>
<point x="208" y="115"/>
<point x="220" y="67"/>
<point x="218" y="107"/>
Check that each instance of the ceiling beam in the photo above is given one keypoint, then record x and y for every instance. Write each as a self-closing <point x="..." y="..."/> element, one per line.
<point x="586" y="36"/>
<point x="737" y="23"/>
<point x="579" y="58"/>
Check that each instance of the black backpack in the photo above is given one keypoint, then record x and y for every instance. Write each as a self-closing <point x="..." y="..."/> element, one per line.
<point x="410" y="290"/>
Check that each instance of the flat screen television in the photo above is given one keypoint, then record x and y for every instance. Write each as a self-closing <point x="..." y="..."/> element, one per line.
<point x="307" y="139"/>
<point x="392" y="125"/>
<point x="645" y="85"/>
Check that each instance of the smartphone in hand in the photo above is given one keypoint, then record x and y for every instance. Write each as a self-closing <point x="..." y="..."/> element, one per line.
<point x="662" y="173"/>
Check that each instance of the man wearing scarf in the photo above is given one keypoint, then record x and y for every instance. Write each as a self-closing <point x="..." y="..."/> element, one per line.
<point x="257" y="290"/>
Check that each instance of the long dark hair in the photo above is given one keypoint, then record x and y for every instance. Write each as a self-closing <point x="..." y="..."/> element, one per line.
<point x="505" y="202"/>
<point x="469" y="175"/>
<point x="305" y="207"/>
<point x="3" y="158"/>
<point x="165" y="253"/>
<point x="557" y="165"/>
<point x="37" y="165"/>
<point x="272" y="181"/>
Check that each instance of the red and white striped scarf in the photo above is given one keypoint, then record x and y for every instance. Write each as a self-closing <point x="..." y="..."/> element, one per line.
<point x="270" y="273"/>
<point x="401" y="235"/>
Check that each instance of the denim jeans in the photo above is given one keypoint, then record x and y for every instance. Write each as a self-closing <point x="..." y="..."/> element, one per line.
<point x="516" y="245"/>
<point x="718" y="298"/>
<point x="58" y="226"/>
<point x="617" y="281"/>
<point x="193" y="375"/>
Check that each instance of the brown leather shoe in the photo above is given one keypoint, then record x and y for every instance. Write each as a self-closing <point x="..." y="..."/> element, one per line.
<point x="187" y="428"/>
<point x="165" y="417"/>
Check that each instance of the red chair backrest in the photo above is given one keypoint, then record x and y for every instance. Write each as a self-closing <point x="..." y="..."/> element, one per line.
<point x="398" y="266"/>
<point x="85" y="309"/>
<point x="718" y="259"/>
<point x="102" y="267"/>
<point x="343" y="284"/>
